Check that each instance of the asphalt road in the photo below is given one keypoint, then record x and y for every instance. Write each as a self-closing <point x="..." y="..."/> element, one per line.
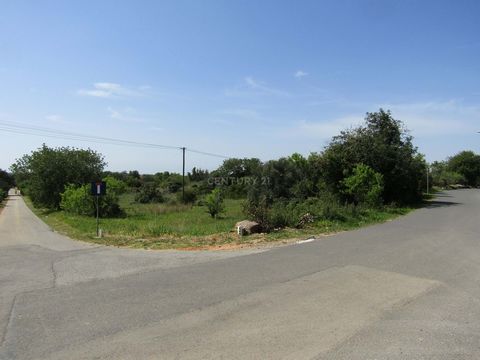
<point x="406" y="289"/>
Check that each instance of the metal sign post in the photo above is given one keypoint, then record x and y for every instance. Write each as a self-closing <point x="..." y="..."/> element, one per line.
<point x="98" y="188"/>
<point x="96" y="198"/>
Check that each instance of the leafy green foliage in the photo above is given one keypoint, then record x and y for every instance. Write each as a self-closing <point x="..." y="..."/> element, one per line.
<point x="283" y="213"/>
<point x="383" y="144"/>
<point x="259" y="210"/>
<point x="467" y="164"/>
<point x="257" y="206"/>
<point x="236" y="176"/>
<point x="149" y="193"/>
<point x="215" y="202"/>
<point x="362" y="168"/>
<point x="367" y="165"/>
<point x="441" y="176"/>
<point x="198" y="174"/>
<point x="44" y="173"/>
<point x="188" y="197"/>
<point x="365" y="186"/>
<point x="77" y="199"/>
<point x="6" y="182"/>
<point x="174" y="183"/>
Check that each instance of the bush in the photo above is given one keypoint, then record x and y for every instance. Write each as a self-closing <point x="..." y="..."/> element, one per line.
<point x="174" y="183"/>
<point x="365" y="186"/>
<point x="3" y="195"/>
<point x="214" y="202"/>
<point x="149" y="193"/>
<point x="258" y="209"/>
<point x="297" y="213"/>
<point x="188" y="198"/>
<point x="77" y="199"/>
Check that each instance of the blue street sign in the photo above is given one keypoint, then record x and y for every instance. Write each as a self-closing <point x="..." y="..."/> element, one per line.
<point x="98" y="188"/>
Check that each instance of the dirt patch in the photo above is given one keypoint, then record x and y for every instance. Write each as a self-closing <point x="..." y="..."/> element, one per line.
<point x="258" y="243"/>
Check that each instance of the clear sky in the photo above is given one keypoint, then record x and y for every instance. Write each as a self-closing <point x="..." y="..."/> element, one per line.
<point x="239" y="78"/>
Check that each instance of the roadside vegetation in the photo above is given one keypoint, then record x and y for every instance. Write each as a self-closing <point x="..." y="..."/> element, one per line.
<point x="367" y="174"/>
<point x="460" y="170"/>
<point x="6" y="183"/>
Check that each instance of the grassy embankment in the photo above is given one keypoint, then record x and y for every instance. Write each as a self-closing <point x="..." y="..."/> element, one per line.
<point x="161" y="226"/>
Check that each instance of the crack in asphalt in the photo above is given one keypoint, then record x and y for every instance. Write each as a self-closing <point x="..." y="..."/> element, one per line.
<point x="7" y="326"/>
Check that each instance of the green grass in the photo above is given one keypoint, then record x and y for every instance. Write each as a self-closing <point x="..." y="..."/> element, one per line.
<point x="166" y="226"/>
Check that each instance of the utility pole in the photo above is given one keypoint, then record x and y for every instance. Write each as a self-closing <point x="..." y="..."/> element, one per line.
<point x="183" y="175"/>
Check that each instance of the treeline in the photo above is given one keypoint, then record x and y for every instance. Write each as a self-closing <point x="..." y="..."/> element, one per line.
<point x="366" y="167"/>
<point x="6" y="183"/>
<point x="462" y="169"/>
<point x="369" y="166"/>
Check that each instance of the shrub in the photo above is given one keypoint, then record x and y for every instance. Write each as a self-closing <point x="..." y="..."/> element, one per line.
<point x="365" y="186"/>
<point x="149" y="193"/>
<point x="3" y="195"/>
<point x="215" y="203"/>
<point x="258" y="209"/>
<point x="77" y="199"/>
<point x="188" y="198"/>
<point x="174" y="183"/>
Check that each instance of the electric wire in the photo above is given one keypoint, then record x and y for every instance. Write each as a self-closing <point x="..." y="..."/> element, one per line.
<point x="28" y="129"/>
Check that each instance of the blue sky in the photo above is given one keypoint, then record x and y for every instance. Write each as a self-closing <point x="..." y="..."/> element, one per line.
<point x="239" y="78"/>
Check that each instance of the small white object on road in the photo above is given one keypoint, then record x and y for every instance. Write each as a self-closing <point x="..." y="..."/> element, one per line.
<point x="306" y="241"/>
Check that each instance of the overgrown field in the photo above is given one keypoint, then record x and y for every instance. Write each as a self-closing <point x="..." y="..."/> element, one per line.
<point x="165" y="226"/>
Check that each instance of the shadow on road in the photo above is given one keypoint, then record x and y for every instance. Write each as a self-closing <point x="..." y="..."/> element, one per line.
<point x="438" y="203"/>
<point x="443" y="195"/>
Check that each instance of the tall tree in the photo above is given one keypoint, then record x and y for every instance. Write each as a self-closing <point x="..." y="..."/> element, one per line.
<point x="44" y="173"/>
<point x="6" y="182"/>
<point x="385" y="145"/>
<point x="467" y="164"/>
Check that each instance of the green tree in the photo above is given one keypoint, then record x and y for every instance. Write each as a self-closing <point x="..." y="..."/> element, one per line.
<point x="198" y="174"/>
<point x="6" y="182"/>
<point x="365" y="186"/>
<point x="236" y="176"/>
<point x="467" y="164"/>
<point x="215" y="202"/>
<point x="283" y="175"/>
<point x="443" y="177"/>
<point x="386" y="146"/>
<point x="45" y="172"/>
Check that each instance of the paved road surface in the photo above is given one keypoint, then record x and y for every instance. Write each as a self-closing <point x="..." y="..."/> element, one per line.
<point x="406" y="289"/>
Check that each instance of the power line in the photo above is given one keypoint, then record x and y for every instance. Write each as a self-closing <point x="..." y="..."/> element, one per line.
<point x="37" y="130"/>
<point x="27" y="129"/>
<point x="206" y="153"/>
